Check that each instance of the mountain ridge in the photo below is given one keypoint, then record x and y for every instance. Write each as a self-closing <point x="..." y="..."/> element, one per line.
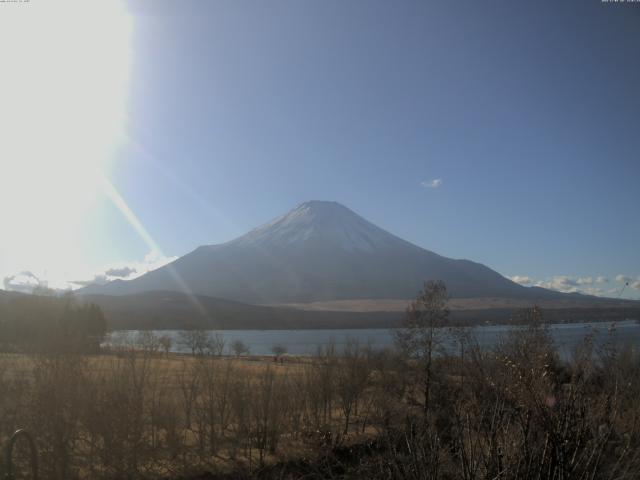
<point x="318" y="251"/>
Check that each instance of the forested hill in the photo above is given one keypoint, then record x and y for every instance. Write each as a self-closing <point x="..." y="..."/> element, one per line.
<point x="44" y="323"/>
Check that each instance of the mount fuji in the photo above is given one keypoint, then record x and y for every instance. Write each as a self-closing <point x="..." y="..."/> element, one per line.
<point x="319" y="251"/>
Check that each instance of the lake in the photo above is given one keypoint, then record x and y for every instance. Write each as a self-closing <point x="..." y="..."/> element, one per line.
<point x="306" y="342"/>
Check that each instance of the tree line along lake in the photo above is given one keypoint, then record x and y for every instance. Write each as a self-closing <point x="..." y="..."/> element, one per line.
<point x="566" y="337"/>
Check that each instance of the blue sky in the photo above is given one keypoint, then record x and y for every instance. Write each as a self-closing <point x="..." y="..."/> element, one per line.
<point x="525" y="112"/>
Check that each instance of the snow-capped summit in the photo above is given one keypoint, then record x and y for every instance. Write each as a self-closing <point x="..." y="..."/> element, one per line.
<point x="320" y="221"/>
<point x="317" y="251"/>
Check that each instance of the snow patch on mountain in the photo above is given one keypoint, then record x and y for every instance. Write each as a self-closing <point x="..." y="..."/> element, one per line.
<point x="322" y="221"/>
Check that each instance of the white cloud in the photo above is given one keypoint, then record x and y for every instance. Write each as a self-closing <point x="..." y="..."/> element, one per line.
<point x="598" y="292"/>
<point x="122" y="272"/>
<point x="97" y="280"/>
<point x="126" y="270"/>
<point x="588" y="285"/>
<point x="152" y="261"/>
<point x="561" y="283"/>
<point x="23" y="282"/>
<point x="521" y="279"/>
<point x="26" y="281"/>
<point x="435" y="183"/>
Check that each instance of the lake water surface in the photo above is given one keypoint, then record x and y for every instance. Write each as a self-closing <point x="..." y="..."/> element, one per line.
<point x="306" y="342"/>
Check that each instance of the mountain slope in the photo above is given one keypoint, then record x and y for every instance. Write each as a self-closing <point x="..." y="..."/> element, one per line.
<point x="318" y="251"/>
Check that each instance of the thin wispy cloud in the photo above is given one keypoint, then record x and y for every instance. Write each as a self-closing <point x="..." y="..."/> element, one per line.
<point x="521" y="279"/>
<point x="595" y="291"/>
<point x="128" y="271"/>
<point x="588" y="285"/>
<point x="122" y="272"/>
<point x="23" y="282"/>
<point x="96" y="280"/>
<point x="435" y="183"/>
<point x="561" y="283"/>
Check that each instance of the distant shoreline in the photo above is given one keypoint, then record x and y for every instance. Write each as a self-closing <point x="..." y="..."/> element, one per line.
<point x="305" y="342"/>
<point x="384" y="320"/>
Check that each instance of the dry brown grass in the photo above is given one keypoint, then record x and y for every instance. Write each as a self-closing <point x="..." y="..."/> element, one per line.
<point x="479" y="303"/>
<point x="135" y="414"/>
<point x="514" y="412"/>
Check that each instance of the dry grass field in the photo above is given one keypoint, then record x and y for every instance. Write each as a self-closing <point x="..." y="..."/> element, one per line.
<point x="142" y="413"/>
<point x="479" y="303"/>
<point x="511" y="412"/>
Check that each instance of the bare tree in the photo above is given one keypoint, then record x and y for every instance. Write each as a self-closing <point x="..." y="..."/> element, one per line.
<point x="269" y="398"/>
<point x="239" y="348"/>
<point x="148" y="342"/>
<point x="194" y="340"/>
<point x="278" y="350"/>
<point x="352" y="377"/>
<point x="323" y="379"/>
<point x="418" y="338"/>
<point x="215" y="344"/>
<point x="165" y="342"/>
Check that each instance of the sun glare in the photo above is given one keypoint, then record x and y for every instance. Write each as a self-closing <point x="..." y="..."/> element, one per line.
<point x="65" y="72"/>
